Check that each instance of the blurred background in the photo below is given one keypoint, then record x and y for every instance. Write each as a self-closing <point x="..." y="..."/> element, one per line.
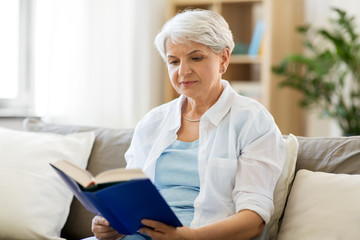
<point x="93" y="62"/>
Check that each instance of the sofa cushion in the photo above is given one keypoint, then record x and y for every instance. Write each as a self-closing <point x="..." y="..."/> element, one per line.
<point x="35" y="202"/>
<point x="322" y="206"/>
<point x="283" y="186"/>
<point x="333" y="155"/>
<point x="107" y="153"/>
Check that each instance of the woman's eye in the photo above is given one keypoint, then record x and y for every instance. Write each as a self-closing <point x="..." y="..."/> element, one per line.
<point x="196" y="59"/>
<point x="174" y="62"/>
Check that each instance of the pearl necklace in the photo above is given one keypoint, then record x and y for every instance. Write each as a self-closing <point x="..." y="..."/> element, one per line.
<point x="191" y="120"/>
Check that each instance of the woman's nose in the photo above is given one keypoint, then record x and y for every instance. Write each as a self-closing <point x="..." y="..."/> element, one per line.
<point x="184" y="69"/>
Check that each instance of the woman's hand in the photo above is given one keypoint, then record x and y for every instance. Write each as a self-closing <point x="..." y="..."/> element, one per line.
<point x="102" y="230"/>
<point x="159" y="231"/>
<point x="243" y="225"/>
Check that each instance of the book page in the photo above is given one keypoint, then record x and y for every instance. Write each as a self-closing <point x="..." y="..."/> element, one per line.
<point x="118" y="175"/>
<point x="81" y="176"/>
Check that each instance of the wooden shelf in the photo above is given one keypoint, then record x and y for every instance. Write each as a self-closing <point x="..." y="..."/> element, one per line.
<point x="240" y="1"/>
<point x="190" y="2"/>
<point x="248" y="88"/>
<point x="238" y="58"/>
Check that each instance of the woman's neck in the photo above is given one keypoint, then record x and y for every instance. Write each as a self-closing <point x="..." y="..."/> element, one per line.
<point x="194" y="108"/>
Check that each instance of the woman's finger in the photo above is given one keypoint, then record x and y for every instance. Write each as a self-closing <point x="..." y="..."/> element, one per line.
<point x="102" y="229"/>
<point x="157" y="230"/>
<point x="157" y="226"/>
<point x="108" y="236"/>
<point x="99" y="220"/>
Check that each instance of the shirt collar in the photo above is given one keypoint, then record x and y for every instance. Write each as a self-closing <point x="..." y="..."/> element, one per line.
<point x="222" y="106"/>
<point x="175" y="113"/>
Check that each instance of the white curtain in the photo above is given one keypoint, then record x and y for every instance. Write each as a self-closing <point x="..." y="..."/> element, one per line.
<point x="95" y="61"/>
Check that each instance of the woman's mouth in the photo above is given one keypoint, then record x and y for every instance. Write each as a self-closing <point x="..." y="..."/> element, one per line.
<point x="187" y="83"/>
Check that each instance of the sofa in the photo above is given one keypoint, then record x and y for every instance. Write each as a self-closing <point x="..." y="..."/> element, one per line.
<point x="316" y="198"/>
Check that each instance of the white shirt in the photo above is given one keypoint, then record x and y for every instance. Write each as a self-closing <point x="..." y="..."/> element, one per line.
<point x="241" y="154"/>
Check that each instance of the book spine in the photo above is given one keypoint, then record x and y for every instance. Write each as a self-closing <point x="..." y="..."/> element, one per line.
<point x="256" y="38"/>
<point x="74" y="187"/>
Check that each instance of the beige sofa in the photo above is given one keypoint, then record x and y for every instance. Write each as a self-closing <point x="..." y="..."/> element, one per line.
<point x="330" y="155"/>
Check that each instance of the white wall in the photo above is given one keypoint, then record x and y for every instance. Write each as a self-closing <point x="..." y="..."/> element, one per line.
<point x="318" y="12"/>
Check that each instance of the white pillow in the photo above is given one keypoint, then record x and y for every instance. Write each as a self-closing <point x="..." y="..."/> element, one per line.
<point x="34" y="202"/>
<point x="283" y="185"/>
<point x="322" y="206"/>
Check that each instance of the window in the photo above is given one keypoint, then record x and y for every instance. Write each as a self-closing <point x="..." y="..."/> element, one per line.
<point x="16" y="30"/>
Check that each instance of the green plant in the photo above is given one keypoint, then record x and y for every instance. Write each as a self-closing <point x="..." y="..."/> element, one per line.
<point x="328" y="74"/>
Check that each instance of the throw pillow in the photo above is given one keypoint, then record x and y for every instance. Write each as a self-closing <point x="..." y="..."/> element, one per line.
<point x="34" y="200"/>
<point x="322" y="206"/>
<point x="283" y="185"/>
<point x="107" y="153"/>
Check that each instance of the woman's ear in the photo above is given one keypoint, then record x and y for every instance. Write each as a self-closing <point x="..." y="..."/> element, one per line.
<point x="225" y="59"/>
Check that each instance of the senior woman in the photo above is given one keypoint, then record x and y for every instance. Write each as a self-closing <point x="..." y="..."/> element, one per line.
<point x="214" y="155"/>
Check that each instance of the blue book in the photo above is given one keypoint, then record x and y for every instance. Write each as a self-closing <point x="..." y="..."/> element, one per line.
<point x="256" y="38"/>
<point x="123" y="196"/>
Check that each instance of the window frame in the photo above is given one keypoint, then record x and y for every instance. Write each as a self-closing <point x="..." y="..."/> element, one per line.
<point x="23" y="104"/>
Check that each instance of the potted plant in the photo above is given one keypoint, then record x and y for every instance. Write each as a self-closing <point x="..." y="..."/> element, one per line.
<point x="328" y="73"/>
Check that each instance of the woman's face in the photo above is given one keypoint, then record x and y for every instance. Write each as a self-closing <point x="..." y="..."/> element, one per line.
<point x="194" y="69"/>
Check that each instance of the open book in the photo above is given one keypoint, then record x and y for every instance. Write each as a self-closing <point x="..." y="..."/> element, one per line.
<point x="123" y="196"/>
<point x="87" y="180"/>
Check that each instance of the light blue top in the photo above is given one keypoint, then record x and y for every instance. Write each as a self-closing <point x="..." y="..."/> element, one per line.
<point x="177" y="178"/>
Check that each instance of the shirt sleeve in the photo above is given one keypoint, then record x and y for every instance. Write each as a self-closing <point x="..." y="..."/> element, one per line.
<point x="259" y="166"/>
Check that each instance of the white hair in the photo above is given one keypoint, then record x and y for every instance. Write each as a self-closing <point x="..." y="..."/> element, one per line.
<point x="201" y="26"/>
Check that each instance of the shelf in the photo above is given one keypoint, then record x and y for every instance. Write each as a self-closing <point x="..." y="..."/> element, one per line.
<point x="247" y="88"/>
<point x="189" y="2"/>
<point x="243" y="71"/>
<point x="240" y="1"/>
<point x="243" y="58"/>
